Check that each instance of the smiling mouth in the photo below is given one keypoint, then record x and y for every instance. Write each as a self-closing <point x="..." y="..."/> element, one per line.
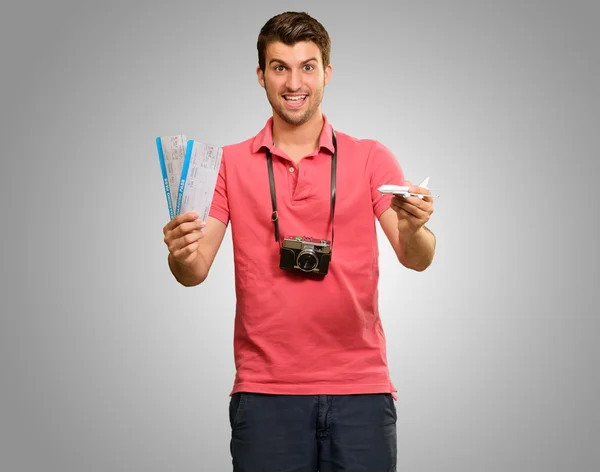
<point x="295" y="100"/>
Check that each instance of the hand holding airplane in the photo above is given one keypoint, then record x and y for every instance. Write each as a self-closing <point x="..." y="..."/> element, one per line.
<point x="412" y="213"/>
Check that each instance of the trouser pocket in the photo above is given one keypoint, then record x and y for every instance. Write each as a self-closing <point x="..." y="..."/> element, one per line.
<point x="236" y="406"/>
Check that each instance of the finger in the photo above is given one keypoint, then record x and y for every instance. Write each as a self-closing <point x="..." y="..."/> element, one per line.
<point x="185" y="228"/>
<point x="411" y="209"/>
<point x="179" y="219"/>
<point x="185" y="240"/>
<point x="184" y="252"/>
<point x="423" y="204"/>
<point x="403" y="214"/>
<point x="182" y="230"/>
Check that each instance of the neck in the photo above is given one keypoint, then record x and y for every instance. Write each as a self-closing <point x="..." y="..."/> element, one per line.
<point x="306" y="134"/>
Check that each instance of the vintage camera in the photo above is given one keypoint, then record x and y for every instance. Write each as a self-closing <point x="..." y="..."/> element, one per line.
<point x="305" y="254"/>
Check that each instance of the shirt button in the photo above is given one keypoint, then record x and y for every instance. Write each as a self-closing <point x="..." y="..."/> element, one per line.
<point x="291" y="169"/>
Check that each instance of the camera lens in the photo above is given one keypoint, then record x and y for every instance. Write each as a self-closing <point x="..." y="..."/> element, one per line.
<point x="307" y="260"/>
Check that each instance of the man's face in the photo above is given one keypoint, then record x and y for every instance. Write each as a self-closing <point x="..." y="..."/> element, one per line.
<point x="294" y="80"/>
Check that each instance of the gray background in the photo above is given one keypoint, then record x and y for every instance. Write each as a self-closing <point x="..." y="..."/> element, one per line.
<point x="106" y="364"/>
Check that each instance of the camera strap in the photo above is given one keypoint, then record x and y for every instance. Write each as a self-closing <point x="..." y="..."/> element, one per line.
<point x="275" y="215"/>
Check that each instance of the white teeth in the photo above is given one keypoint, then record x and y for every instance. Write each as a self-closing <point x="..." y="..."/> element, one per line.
<point x="296" y="98"/>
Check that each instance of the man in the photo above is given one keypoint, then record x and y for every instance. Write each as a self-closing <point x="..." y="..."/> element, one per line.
<point x="312" y="389"/>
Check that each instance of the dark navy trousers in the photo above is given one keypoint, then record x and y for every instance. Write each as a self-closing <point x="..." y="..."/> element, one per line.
<point x="313" y="433"/>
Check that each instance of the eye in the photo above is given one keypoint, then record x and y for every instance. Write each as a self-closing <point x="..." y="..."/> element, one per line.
<point x="308" y="67"/>
<point x="279" y="68"/>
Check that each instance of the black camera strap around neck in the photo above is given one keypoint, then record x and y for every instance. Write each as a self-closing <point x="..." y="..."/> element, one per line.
<point x="275" y="215"/>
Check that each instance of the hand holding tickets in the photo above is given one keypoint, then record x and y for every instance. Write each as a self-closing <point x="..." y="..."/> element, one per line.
<point x="192" y="168"/>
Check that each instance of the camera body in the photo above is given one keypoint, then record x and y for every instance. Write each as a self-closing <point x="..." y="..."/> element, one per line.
<point x="305" y="254"/>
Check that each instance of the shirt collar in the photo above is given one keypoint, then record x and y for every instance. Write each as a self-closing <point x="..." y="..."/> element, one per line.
<point x="264" y="139"/>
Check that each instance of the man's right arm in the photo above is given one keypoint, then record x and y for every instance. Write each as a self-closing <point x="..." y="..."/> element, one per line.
<point x="193" y="246"/>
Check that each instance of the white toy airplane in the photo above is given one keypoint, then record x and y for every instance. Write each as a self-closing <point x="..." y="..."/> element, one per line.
<point x="402" y="190"/>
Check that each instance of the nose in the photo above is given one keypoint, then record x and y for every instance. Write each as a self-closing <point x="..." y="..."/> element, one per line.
<point x="294" y="80"/>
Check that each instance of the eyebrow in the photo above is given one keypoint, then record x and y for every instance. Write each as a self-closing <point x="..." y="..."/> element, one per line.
<point x="282" y="62"/>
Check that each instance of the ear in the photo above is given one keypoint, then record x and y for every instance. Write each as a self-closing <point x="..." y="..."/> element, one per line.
<point x="328" y="70"/>
<point x="261" y="76"/>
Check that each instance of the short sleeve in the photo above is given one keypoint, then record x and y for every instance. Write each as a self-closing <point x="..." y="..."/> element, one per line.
<point x="219" y="208"/>
<point x="383" y="168"/>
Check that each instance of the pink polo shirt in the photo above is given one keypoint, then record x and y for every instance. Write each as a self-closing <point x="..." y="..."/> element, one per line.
<point x="294" y="334"/>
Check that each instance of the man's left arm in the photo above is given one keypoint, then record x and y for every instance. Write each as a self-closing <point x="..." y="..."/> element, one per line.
<point x="404" y="225"/>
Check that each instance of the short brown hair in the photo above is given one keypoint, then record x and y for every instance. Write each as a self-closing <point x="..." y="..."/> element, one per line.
<point x="292" y="27"/>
